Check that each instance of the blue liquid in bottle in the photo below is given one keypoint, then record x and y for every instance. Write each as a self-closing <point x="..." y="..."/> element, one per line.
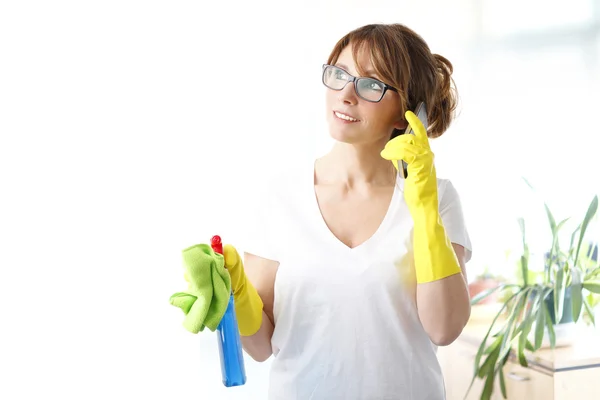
<point x="230" y="349"/>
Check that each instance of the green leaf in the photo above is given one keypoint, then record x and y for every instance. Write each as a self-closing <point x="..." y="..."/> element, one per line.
<point x="489" y="364"/>
<point x="488" y="370"/>
<point x="562" y="223"/>
<point x="500" y="372"/>
<point x="525" y="270"/>
<point x="573" y="235"/>
<point x="554" y="231"/>
<point x="488" y="388"/>
<point x="525" y="257"/>
<point x="494" y="345"/>
<point x="593" y="207"/>
<point x="551" y="219"/>
<point x="592" y="286"/>
<point x="541" y="321"/>
<point x="550" y="327"/>
<point x="529" y="346"/>
<point x="515" y="312"/>
<point x="555" y="239"/>
<point x="525" y="327"/>
<point x="559" y="294"/>
<point x="500" y="335"/>
<point x="569" y="273"/>
<point x="524" y="332"/>
<point x="591" y="299"/>
<point x="594" y="273"/>
<point x="502" y="383"/>
<point x="488" y="292"/>
<point x="528" y="184"/>
<point x="521" y="351"/>
<point x="576" y="300"/>
<point x="481" y="348"/>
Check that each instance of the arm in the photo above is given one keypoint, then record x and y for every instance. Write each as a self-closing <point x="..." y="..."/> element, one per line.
<point x="261" y="273"/>
<point x="442" y="296"/>
<point x="443" y="305"/>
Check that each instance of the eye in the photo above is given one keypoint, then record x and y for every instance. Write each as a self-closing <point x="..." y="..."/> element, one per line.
<point x="340" y="74"/>
<point x="374" y="85"/>
<point x="371" y="85"/>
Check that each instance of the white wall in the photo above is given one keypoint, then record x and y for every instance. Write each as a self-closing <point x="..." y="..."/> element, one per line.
<point x="130" y="130"/>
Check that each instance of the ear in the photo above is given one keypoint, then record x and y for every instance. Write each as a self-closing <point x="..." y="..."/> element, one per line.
<point x="400" y="124"/>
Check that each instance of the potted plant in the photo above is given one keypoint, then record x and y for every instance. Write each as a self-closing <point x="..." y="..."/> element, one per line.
<point x="538" y="303"/>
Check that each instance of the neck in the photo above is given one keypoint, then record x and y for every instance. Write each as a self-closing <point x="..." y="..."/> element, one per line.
<point x="355" y="165"/>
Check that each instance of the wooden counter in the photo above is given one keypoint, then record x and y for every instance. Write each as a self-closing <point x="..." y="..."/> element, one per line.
<point x="564" y="373"/>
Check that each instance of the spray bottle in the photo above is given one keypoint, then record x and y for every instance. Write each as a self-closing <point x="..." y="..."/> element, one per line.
<point x="233" y="371"/>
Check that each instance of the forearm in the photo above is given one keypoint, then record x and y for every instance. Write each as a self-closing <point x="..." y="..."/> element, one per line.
<point x="442" y="295"/>
<point x="258" y="346"/>
<point x="444" y="308"/>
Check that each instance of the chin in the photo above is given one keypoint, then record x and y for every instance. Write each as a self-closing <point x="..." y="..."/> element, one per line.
<point x="345" y="133"/>
<point x="345" y="136"/>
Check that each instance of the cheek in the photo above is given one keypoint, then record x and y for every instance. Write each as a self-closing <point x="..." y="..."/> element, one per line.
<point x="377" y="115"/>
<point x="330" y="97"/>
<point x="389" y="113"/>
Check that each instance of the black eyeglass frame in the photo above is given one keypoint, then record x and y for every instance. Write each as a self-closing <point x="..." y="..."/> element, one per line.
<point x="354" y="80"/>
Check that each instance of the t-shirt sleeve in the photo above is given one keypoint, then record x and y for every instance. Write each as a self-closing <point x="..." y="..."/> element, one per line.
<point x="453" y="219"/>
<point x="258" y="228"/>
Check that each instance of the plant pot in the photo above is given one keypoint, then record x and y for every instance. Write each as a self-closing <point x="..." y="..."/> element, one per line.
<point x="566" y="330"/>
<point x="567" y="316"/>
<point x="482" y="285"/>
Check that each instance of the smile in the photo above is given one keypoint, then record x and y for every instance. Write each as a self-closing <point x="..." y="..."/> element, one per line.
<point x="345" y="117"/>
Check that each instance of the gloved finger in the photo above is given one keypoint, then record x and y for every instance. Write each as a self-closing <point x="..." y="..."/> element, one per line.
<point x="231" y="256"/>
<point x="400" y="148"/>
<point x="402" y="151"/>
<point x="418" y="128"/>
<point x="401" y="139"/>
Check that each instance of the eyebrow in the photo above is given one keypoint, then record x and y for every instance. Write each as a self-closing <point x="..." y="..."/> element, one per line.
<point x="369" y="71"/>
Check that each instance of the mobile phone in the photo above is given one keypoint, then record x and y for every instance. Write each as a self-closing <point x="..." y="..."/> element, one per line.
<point x="421" y="113"/>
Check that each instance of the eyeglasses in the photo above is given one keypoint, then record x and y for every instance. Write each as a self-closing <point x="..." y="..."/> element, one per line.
<point x="369" y="89"/>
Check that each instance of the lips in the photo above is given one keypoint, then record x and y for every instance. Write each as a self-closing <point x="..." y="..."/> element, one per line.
<point x="345" y="117"/>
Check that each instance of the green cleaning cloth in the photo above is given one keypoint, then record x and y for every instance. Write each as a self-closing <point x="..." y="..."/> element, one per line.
<point x="209" y="287"/>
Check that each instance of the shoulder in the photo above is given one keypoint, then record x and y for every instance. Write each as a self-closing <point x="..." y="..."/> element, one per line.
<point x="447" y="191"/>
<point x="287" y="180"/>
<point x="451" y="212"/>
<point x="449" y="200"/>
<point x="280" y="193"/>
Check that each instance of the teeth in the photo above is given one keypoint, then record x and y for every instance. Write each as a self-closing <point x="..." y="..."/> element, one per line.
<point x="343" y="116"/>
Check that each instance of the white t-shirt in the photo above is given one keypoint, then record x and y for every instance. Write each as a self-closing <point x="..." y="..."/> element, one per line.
<point x="346" y="323"/>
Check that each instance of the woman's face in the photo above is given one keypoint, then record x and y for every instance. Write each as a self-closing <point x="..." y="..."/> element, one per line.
<point x="355" y="120"/>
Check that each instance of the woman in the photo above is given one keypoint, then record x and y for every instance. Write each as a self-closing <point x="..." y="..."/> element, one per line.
<point x="355" y="274"/>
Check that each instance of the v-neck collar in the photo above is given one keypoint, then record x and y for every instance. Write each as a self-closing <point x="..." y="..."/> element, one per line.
<point x="370" y="243"/>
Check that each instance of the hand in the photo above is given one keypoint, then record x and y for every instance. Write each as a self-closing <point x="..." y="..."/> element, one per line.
<point x="209" y="286"/>
<point x="433" y="253"/>
<point x="235" y="267"/>
<point x="421" y="184"/>
<point x="248" y="304"/>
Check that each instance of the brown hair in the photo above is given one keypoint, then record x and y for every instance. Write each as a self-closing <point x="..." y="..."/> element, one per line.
<point x="403" y="60"/>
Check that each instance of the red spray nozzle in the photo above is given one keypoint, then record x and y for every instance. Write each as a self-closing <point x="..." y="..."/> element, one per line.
<point x="216" y="244"/>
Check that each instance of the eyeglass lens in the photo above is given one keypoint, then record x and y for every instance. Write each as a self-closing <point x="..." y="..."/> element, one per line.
<point x="368" y="88"/>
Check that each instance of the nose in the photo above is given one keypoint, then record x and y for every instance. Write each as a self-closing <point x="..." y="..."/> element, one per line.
<point x="348" y="94"/>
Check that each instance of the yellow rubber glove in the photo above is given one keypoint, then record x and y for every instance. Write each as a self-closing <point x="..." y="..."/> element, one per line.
<point x="248" y="304"/>
<point x="434" y="256"/>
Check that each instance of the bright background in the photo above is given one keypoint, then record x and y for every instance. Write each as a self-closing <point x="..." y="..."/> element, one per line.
<point x="132" y="129"/>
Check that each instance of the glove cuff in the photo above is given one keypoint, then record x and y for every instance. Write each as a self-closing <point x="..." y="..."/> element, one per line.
<point x="248" y="309"/>
<point x="435" y="258"/>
